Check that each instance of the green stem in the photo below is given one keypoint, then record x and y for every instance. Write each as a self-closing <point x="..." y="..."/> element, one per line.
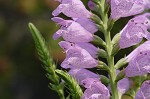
<point x="110" y="58"/>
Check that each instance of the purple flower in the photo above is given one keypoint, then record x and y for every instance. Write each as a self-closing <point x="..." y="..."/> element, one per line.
<point x="135" y="30"/>
<point x="124" y="8"/>
<point x="87" y="46"/>
<point x="77" y="57"/>
<point x="96" y="90"/>
<point x="72" y="31"/>
<point x="81" y="74"/>
<point x="72" y="8"/>
<point x="139" y="61"/>
<point x="88" y="24"/>
<point x="144" y="92"/>
<point x="147" y="4"/>
<point x="123" y="85"/>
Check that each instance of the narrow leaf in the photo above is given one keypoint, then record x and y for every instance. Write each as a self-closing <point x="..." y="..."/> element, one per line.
<point x="75" y="90"/>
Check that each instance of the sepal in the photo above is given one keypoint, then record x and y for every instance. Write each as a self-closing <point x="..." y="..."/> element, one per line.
<point x="103" y="66"/>
<point x="120" y="76"/>
<point x="104" y="80"/>
<point x="102" y="53"/>
<point x="115" y="42"/>
<point x="96" y="19"/>
<point x="122" y="62"/>
<point x="98" y="41"/>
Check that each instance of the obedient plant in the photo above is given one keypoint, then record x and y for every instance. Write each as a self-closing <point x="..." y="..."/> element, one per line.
<point x="91" y="48"/>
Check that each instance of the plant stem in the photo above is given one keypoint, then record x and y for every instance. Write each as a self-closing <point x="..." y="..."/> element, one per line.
<point x="110" y="58"/>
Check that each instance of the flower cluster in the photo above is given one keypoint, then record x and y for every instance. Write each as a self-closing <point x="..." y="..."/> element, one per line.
<point x="81" y="55"/>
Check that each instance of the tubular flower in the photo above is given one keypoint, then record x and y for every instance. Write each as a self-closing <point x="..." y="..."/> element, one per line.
<point x="88" y="24"/>
<point x="91" y="49"/>
<point x="72" y="31"/>
<point x="95" y="89"/>
<point x="77" y="57"/>
<point x="81" y="74"/>
<point x="124" y="8"/>
<point x="72" y="8"/>
<point x="135" y="30"/>
<point x="123" y="84"/>
<point x="144" y="91"/>
<point x="139" y="61"/>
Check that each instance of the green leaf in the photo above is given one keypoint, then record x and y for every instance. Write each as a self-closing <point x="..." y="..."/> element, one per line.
<point x="45" y="57"/>
<point x="75" y="90"/>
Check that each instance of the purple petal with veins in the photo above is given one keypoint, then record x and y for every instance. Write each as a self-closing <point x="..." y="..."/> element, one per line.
<point x="81" y="74"/>
<point x="125" y="8"/>
<point x="91" y="49"/>
<point x="72" y="8"/>
<point x="78" y="58"/>
<point x="72" y="31"/>
<point x="139" y="61"/>
<point x="135" y="30"/>
<point x="96" y="91"/>
<point x="144" y="91"/>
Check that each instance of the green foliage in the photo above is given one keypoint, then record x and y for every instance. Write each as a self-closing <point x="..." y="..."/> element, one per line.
<point x="75" y="90"/>
<point x="44" y="55"/>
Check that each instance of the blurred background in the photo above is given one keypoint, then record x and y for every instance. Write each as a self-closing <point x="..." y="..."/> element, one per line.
<point x="21" y="73"/>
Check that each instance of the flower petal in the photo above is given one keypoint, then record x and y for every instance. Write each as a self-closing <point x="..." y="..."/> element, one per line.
<point x="139" y="61"/>
<point x="73" y="8"/>
<point x="124" y="8"/>
<point x="134" y="31"/>
<point x="144" y="91"/>
<point x="81" y="74"/>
